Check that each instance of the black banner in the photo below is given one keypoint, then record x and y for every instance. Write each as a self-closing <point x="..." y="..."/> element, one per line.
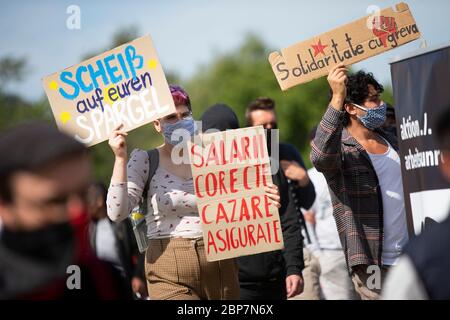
<point x="421" y="85"/>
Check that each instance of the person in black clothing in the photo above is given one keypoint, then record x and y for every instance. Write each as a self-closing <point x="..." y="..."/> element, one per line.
<point x="269" y="275"/>
<point x="262" y="112"/>
<point x="44" y="252"/>
<point x="115" y="242"/>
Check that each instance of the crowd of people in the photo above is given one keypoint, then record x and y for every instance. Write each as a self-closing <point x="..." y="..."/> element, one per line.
<point x="64" y="236"/>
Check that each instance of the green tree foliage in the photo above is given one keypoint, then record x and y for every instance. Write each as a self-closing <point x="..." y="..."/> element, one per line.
<point x="13" y="108"/>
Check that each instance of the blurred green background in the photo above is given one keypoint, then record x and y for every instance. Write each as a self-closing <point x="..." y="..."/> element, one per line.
<point x="235" y="78"/>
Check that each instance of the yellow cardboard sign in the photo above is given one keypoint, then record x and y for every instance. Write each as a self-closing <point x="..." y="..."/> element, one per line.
<point x="348" y="44"/>
<point x="123" y="85"/>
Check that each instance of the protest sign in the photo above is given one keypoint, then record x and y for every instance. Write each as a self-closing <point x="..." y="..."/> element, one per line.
<point x="348" y="44"/>
<point x="420" y="86"/>
<point x="124" y="85"/>
<point x="230" y="170"/>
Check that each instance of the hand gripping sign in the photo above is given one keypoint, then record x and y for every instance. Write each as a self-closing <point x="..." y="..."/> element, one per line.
<point x="348" y="44"/>
<point x="124" y="85"/>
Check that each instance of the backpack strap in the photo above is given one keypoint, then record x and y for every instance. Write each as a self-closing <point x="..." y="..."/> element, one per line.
<point x="153" y="163"/>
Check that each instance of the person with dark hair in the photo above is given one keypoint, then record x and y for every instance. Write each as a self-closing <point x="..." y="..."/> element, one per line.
<point x="261" y="111"/>
<point x="362" y="168"/>
<point x="274" y="275"/>
<point x="115" y="242"/>
<point x="44" y="252"/>
<point x="422" y="271"/>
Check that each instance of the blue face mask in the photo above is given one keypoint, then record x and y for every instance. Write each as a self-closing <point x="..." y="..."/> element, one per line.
<point x="187" y="125"/>
<point x="374" y="118"/>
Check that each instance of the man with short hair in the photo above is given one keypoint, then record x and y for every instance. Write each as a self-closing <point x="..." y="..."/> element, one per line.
<point x="44" y="252"/>
<point x="261" y="112"/>
<point x="362" y="168"/>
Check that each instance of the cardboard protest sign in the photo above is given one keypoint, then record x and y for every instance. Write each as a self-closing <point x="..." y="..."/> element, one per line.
<point x="124" y="85"/>
<point x="348" y="44"/>
<point x="230" y="170"/>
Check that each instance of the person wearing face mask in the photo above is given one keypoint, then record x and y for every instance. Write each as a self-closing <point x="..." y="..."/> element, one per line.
<point x="362" y="167"/>
<point x="44" y="249"/>
<point x="176" y="266"/>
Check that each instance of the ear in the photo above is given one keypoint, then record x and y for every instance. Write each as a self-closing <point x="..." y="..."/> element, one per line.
<point x="350" y="108"/>
<point x="157" y="125"/>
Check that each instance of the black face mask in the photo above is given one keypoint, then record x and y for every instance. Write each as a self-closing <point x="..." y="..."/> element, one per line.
<point x="47" y="245"/>
<point x="32" y="259"/>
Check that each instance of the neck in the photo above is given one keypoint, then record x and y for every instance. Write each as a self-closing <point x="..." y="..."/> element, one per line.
<point x="360" y="132"/>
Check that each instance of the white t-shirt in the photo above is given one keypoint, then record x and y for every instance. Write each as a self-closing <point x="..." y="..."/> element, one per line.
<point x="387" y="168"/>
<point x="106" y="242"/>
<point x="326" y="230"/>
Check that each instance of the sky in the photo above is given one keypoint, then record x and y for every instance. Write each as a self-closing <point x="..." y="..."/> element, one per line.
<point x="189" y="34"/>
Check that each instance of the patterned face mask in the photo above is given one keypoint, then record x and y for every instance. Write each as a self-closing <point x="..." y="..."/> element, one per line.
<point x="374" y="118"/>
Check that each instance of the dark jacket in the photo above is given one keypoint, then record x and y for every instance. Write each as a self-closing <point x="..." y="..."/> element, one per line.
<point x="429" y="255"/>
<point x="306" y="195"/>
<point x="354" y="188"/>
<point x="276" y="265"/>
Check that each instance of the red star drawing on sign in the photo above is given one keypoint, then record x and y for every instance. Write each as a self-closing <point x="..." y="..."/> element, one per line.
<point x="318" y="48"/>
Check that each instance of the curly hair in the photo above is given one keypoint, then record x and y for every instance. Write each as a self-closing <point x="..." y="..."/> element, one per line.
<point x="358" y="89"/>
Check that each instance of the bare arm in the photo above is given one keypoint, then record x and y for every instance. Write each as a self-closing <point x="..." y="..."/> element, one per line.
<point x="118" y="145"/>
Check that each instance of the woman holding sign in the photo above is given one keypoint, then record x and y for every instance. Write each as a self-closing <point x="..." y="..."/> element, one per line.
<point x="176" y="266"/>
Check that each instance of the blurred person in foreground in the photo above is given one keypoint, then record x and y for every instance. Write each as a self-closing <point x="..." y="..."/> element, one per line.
<point x="422" y="272"/>
<point x="44" y="250"/>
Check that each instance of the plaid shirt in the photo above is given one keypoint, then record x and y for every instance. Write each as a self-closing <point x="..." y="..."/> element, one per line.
<point x="354" y="189"/>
